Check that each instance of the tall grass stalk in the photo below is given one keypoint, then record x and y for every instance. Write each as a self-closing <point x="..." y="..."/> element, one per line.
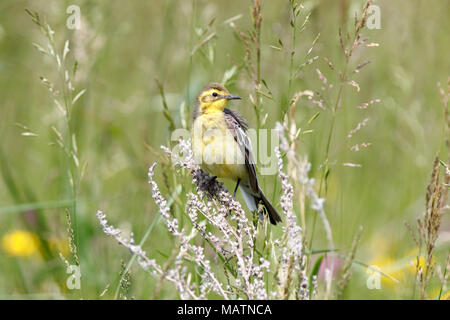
<point x="64" y="96"/>
<point x="348" y="48"/>
<point x="429" y="224"/>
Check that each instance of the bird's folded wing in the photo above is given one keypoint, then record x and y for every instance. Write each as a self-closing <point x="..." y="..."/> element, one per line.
<point x="238" y="127"/>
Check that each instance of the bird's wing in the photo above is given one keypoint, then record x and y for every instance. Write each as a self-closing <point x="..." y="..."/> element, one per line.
<point x="238" y="127"/>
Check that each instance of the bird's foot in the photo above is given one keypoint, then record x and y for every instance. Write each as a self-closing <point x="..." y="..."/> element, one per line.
<point x="209" y="184"/>
<point x="211" y="179"/>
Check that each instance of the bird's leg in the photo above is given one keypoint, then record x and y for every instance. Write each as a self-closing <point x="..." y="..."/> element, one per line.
<point x="234" y="194"/>
<point x="235" y="189"/>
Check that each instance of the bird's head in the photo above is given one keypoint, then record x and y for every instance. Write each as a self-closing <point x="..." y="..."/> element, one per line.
<point x="212" y="98"/>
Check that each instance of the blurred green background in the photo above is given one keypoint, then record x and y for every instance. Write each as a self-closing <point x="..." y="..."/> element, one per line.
<point x="123" y="46"/>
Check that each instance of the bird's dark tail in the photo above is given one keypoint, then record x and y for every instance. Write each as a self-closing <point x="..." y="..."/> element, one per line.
<point x="252" y="200"/>
<point x="274" y="217"/>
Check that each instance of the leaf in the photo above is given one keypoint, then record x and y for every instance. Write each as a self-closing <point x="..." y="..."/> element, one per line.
<point x="36" y="206"/>
<point x="29" y="134"/>
<point x="60" y="107"/>
<point x="166" y="112"/>
<point x="75" y="67"/>
<point x="40" y="49"/>
<point x="314" y="272"/>
<point x="317" y="251"/>
<point x="74" y="143"/>
<point x="234" y="18"/>
<point x="228" y="75"/>
<point x="264" y="94"/>
<point x="66" y="49"/>
<point x="78" y="96"/>
<point x="314" y="117"/>
<point x="202" y="43"/>
<point x="58" y="61"/>
<point x="366" y="266"/>
<point x="162" y="254"/>
<point x="352" y="165"/>
<point x="313" y="44"/>
<point x="265" y="84"/>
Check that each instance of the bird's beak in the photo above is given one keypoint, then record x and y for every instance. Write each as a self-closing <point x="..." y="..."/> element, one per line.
<point x="230" y="97"/>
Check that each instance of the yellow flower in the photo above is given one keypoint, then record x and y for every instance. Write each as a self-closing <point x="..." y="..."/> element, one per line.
<point x="20" y="243"/>
<point x="434" y="294"/>
<point x="388" y="267"/>
<point x="415" y="263"/>
<point x="399" y="269"/>
<point x="445" y="296"/>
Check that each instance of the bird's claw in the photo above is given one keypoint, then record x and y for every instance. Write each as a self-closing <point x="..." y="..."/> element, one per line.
<point x="209" y="184"/>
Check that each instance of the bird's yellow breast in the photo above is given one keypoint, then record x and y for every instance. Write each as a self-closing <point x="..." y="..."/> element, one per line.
<point x="215" y="148"/>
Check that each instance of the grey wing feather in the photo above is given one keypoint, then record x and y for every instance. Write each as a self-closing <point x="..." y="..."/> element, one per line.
<point x="238" y="126"/>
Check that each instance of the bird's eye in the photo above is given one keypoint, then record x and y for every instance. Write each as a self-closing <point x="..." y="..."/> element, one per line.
<point x="215" y="94"/>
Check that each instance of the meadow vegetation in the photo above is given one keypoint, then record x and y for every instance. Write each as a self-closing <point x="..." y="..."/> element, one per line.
<point x="88" y="182"/>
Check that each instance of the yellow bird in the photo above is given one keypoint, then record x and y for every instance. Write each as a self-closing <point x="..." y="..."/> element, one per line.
<point x="220" y="144"/>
